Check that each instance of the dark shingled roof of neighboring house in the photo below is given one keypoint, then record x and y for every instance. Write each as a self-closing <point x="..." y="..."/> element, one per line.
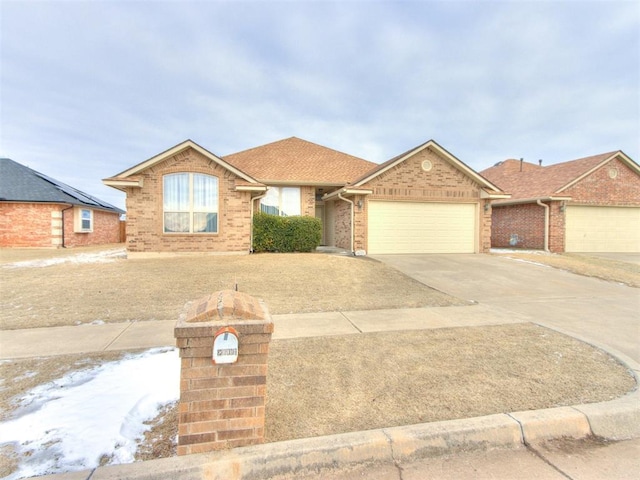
<point x="22" y="184"/>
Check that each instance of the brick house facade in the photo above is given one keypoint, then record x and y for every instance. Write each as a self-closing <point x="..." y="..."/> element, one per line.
<point x="37" y="211"/>
<point x="337" y="187"/>
<point x="145" y="209"/>
<point x="583" y="197"/>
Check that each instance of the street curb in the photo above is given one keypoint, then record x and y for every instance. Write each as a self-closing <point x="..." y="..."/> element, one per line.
<point x="613" y="420"/>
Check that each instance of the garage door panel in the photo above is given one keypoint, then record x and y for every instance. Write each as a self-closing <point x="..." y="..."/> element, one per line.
<point x="602" y="229"/>
<point x="404" y="227"/>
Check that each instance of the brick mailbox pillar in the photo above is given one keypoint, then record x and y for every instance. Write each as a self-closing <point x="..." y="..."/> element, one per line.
<point x="222" y="405"/>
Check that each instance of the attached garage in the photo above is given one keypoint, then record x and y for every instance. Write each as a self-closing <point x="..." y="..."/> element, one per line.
<point x="602" y="229"/>
<point x="422" y="227"/>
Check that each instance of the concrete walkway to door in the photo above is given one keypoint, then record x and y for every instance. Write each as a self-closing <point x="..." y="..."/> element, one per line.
<point x="599" y="312"/>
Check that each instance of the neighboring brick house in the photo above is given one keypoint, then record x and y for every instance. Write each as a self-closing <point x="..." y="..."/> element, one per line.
<point x="189" y="199"/>
<point x="38" y="211"/>
<point x="587" y="205"/>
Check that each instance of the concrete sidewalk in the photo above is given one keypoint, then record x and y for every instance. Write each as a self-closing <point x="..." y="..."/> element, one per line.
<point x="41" y="342"/>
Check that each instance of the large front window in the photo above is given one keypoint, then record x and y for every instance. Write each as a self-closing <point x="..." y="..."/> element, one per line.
<point x="190" y="203"/>
<point x="282" y="201"/>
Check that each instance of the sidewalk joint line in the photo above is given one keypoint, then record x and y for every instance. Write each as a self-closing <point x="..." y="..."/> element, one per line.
<point x="349" y="320"/>
<point x="118" y="336"/>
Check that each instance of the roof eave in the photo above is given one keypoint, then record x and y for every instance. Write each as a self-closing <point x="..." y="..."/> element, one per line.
<point x="519" y="201"/>
<point x="121" y="184"/>
<point x="347" y="191"/>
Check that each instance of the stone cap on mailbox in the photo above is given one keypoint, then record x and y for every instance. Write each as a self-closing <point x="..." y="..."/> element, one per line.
<point x="226" y="305"/>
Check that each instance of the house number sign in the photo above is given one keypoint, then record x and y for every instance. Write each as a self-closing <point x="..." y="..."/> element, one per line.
<point x="225" y="346"/>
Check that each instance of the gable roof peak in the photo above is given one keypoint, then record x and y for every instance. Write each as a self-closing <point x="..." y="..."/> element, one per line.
<point x="453" y="160"/>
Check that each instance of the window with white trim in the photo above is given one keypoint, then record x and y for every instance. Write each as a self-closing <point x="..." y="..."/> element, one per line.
<point x="82" y="220"/>
<point x="190" y="203"/>
<point x="282" y="201"/>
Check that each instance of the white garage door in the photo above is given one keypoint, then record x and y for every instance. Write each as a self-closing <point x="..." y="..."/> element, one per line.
<point x="602" y="229"/>
<point x="402" y="227"/>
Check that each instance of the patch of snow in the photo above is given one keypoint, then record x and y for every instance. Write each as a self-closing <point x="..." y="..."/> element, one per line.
<point x="529" y="262"/>
<point x="71" y="423"/>
<point x="105" y="256"/>
<point x="519" y="250"/>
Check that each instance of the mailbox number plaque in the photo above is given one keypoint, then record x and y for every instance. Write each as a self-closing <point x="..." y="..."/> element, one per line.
<point x="225" y="346"/>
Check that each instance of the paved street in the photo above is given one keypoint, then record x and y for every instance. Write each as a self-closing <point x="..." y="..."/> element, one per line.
<point x="573" y="460"/>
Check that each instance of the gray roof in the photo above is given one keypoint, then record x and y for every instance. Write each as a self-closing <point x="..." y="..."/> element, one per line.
<point x="21" y="184"/>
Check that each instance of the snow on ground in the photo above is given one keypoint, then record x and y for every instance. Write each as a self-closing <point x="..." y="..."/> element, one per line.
<point x="70" y="423"/>
<point x="104" y="256"/>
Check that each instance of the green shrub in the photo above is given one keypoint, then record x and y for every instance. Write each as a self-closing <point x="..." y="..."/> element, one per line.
<point x="272" y="233"/>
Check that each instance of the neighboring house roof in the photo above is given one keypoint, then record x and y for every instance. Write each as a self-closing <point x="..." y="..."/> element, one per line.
<point x="299" y="162"/>
<point x="129" y="177"/>
<point x="528" y="181"/>
<point x="22" y="184"/>
<point x="380" y="169"/>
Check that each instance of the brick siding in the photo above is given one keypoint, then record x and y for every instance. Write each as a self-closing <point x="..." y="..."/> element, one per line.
<point x="222" y="406"/>
<point x="145" y="211"/>
<point x="525" y="222"/>
<point x="31" y="225"/>
<point x="518" y="226"/>
<point x="407" y="181"/>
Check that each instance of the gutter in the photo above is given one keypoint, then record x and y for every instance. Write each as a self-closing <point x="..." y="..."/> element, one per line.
<point x="546" y="224"/>
<point x="62" y="213"/>
<point x="352" y="229"/>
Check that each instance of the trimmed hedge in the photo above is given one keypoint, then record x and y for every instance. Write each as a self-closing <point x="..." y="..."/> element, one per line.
<point x="272" y="233"/>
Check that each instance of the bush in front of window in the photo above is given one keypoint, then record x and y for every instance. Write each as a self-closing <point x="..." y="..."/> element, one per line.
<point x="272" y="233"/>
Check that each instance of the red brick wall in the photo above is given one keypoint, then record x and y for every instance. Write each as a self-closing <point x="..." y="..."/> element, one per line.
<point x="40" y="225"/>
<point x="518" y="226"/>
<point x="106" y="229"/>
<point x="408" y="181"/>
<point x="145" y="214"/>
<point x="556" y="227"/>
<point x="29" y="225"/>
<point x="600" y="189"/>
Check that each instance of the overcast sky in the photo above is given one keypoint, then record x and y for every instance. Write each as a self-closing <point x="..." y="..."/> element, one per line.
<point x="91" y="88"/>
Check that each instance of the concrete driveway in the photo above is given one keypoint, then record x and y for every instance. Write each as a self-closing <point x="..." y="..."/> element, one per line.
<point x="599" y="312"/>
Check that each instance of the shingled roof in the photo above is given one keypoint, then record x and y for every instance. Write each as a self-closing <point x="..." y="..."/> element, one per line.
<point x="298" y="161"/>
<point x="22" y="184"/>
<point x="525" y="180"/>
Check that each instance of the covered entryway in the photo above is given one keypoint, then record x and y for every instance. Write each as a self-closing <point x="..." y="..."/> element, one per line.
<point x="602" y="229"/>
<point x="421" y="227"/>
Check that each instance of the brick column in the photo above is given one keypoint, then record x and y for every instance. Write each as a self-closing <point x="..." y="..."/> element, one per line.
<point x="222" y="406"/>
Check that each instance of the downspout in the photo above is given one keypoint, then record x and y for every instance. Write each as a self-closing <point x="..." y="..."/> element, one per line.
<point x="352" y="229"/>
<point x="546" y="224"/>
<point x="253" y="200"/>
<point x="62" y="213"/>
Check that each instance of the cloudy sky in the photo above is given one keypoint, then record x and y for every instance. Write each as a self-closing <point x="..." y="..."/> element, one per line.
<point x="91" y="88"/>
